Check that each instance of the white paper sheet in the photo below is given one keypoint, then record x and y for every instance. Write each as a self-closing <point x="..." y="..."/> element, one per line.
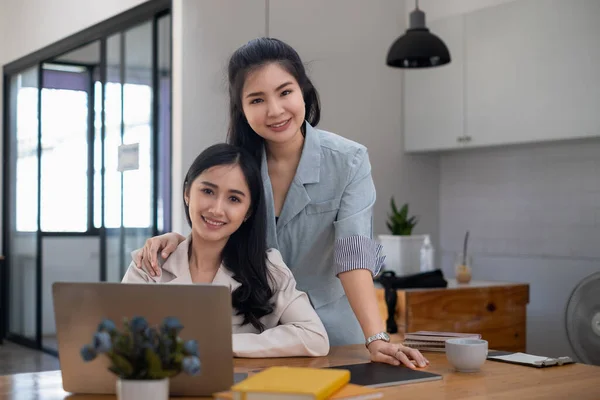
<point x="128" y="157"/>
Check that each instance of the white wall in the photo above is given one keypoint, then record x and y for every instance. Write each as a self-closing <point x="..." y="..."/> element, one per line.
<point x="205" y="33"/>
<point x="533" y="212"/>
<point x="534" y="216"/>
<point x="437" y="9"/>
<point x="29" y="25"/>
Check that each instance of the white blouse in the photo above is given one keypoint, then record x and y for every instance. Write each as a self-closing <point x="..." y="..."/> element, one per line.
<point x="292" y="329"/>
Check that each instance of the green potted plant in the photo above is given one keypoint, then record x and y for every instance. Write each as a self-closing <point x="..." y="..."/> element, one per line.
<point x="402" y="249"/>
<point x="399" y="223"/>
<point x="143" y="357"/>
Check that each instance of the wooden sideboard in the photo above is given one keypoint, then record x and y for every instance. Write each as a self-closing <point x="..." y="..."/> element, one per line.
<point x="496" y="310"/>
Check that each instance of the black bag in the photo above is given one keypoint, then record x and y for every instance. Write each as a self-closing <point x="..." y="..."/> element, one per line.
<point x="391" y="283"/>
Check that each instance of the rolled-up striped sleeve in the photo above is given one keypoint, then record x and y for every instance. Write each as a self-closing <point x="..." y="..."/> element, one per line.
<point x="354" y="246"/>
<point x="357" y="252"/>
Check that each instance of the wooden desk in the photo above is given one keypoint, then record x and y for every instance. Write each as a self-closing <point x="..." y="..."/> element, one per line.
<point x="496" y="310"/>
<point x="496" y="380"/>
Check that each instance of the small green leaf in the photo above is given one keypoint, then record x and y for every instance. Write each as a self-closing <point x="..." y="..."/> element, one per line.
<point x="390" y="227"/>
<point x="154" y="363"/>
<point x="121" y="363"/>
<point x="404" y="211"/>
<point x="393" y="204"/>
<point x="116" y="371"/>
<point x="121" y="345"/>
<point x="178" y="358"/>
<point x="169" y="373"/>
<point x="179" y="345"/>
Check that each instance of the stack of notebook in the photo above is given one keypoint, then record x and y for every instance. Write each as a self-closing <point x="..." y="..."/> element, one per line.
<point x="434" y="341"/>
<point x="295" y="383"/>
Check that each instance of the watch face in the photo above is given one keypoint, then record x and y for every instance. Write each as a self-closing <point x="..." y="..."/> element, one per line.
<point x="385" y="336"/>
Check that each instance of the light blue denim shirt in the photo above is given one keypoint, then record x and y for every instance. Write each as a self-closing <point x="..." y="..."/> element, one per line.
<point x="326" y="226"/>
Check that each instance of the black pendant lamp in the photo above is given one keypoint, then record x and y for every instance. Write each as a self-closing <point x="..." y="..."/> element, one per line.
<point x="418" y="48"/>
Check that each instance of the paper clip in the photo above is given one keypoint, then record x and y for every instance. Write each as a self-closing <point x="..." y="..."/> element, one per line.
<point x="547" y="362"/>
<point x="564" y="360"/>
<point x="554" y="361"/>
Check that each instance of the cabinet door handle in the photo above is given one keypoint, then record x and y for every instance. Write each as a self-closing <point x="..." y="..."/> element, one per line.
<point x="460" y="139"/>
<point x="467" y="138"/>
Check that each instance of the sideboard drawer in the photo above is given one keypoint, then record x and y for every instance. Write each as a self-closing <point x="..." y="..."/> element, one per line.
<point x="497" y="311"/>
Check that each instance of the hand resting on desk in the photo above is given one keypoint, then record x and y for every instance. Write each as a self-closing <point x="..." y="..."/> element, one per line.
<point x="394" y="353"/>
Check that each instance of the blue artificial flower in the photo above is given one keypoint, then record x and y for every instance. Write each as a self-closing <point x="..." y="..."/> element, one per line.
<point x="171" y="325"/>
<point x="150" y="334"/>
<point x="88" y="353"/>
<point x="191" y="365"/>
<point x="190" y="348"/>
<point x="102" y="342"/>
<point x="138" y="324"/>
<point x="107" y="325"/>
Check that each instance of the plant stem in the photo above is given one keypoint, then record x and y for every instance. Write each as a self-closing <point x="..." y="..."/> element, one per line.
<point x="465" y="249"/>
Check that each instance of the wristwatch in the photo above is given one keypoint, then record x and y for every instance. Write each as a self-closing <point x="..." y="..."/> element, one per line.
<point x="378" y="336"/>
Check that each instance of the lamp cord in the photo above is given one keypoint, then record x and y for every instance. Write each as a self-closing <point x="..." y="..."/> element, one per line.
<point x="417" y="4"/>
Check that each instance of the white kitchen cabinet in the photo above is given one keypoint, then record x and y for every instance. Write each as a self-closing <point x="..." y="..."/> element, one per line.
<point x="532" y="72"/>
<point x="523" y="71"/>
<point x="433" y="97"/>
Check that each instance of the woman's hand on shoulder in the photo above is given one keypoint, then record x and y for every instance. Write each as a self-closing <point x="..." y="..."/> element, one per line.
<point x="147" y="257"/>
<point x="395" y="354"/>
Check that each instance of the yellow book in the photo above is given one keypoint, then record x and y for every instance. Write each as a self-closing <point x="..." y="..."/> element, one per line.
<point x="347" y="392"/>
<point x="291" y="383"/>
<point x="356" y="392"/>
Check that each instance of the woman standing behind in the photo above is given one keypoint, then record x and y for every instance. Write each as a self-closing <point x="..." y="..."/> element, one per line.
<point x="319" y="194"/>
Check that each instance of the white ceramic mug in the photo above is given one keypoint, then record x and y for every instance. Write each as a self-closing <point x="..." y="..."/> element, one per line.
<point x="466" y="355"/>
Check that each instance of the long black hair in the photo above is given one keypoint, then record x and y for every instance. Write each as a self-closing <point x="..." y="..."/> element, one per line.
<point x="255" y="54"/>
<point x="245" y="252"/>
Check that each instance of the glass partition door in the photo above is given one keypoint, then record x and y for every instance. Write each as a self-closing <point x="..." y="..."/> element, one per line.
<point x="87" y="170"/>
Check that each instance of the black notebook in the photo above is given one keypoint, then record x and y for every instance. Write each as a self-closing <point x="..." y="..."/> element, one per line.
<point x="380" y="375"/>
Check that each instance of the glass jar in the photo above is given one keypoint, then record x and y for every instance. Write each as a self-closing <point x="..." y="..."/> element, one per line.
<point x="462" y="268"/>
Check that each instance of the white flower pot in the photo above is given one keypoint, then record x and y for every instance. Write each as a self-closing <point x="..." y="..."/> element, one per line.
<point x="402" y="253"/>
<point x="130" y="389"/>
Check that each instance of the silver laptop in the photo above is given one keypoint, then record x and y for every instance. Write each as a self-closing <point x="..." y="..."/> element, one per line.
<point x="204" y="311"/>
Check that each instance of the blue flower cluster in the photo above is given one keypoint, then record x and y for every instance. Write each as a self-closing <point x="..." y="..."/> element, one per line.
<point x="142" y="351"/>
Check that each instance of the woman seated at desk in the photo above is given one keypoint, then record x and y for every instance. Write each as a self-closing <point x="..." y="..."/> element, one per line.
<point x="224" y="205"/>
